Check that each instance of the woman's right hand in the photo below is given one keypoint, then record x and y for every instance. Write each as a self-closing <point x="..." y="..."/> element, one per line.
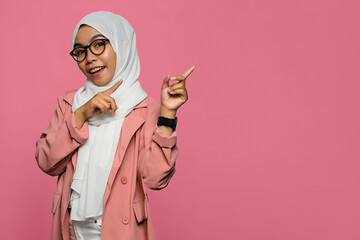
<point x="101" y="103"/>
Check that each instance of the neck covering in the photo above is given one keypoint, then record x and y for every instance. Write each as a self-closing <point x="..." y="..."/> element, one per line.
<point x="96" y="155"/>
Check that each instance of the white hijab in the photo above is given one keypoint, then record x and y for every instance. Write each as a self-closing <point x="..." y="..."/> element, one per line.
<point x="96" y="156"/>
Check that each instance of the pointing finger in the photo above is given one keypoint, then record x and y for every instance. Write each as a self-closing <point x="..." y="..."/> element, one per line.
<point x="189" y="71"/>
<point x="113" y="88"/>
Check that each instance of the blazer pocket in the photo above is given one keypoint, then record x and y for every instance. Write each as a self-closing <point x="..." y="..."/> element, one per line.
<point x="56" y="200"/>
<point x="140" y="209"/>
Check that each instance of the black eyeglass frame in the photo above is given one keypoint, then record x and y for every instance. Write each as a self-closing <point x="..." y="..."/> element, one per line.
<point x="88" y="47"/>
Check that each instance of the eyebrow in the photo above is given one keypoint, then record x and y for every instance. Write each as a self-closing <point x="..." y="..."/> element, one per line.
<point x="91" y="39"/>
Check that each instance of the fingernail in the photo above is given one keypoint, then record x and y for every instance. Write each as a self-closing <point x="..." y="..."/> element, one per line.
<point x="173" y="78"/>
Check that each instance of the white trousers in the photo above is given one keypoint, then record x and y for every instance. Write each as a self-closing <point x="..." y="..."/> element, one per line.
<point x="86" y="230"/>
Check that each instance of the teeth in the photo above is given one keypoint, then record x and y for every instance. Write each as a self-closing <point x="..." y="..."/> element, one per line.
<point x="96" y="69"/>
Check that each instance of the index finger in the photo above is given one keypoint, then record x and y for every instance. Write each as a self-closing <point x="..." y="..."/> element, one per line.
<point x="189" y="71"/>
<point x="113" y="88"/>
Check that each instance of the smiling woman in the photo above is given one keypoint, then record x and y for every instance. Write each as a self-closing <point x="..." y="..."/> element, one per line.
<point x="101" y="71"/>
<point x="109" y="140"/>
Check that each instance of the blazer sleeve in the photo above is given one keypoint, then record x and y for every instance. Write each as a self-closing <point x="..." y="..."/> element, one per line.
<point x="59" y="141"/>
<point x="161" y="152"/>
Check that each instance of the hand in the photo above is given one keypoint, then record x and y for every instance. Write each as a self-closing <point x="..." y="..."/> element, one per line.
<point x="172" y="97"/>
<point x="101" y="103"/>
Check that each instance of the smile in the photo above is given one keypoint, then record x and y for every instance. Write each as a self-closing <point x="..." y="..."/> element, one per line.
<point x="95" y="70"/>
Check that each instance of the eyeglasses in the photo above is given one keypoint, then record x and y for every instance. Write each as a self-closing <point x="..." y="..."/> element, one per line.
<point x="97" y="47"/>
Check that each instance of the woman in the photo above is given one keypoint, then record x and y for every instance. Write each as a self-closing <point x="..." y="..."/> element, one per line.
<point x="108" y="140"/>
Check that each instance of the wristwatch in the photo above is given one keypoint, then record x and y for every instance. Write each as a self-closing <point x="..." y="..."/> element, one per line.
<point x="169" y="122"/>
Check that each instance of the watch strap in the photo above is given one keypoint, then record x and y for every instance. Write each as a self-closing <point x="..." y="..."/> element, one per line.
<point x="169" y="122"/>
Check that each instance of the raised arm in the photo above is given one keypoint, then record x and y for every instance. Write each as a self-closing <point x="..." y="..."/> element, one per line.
<point x="159" y="160"/>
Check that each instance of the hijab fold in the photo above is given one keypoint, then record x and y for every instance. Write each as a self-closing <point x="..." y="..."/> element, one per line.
<point x="96" y="155"/>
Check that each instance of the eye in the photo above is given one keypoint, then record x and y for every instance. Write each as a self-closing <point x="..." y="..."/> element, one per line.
<point x="78" y="51"/>
<point x="99" y="44"/>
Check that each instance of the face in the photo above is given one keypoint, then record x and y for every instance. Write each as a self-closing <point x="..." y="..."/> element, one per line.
<point x="99" y="69"/>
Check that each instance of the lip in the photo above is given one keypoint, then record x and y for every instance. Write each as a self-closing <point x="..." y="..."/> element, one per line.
<point x="98" y="72"/>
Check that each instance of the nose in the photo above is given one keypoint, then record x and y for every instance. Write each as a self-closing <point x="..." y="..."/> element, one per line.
<point x="90" y="57"/>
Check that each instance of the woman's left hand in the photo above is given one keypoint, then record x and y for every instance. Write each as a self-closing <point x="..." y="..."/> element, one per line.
<point x="172" y="97"/>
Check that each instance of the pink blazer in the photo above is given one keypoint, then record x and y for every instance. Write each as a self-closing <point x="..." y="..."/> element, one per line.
<point x="143" y="157"/>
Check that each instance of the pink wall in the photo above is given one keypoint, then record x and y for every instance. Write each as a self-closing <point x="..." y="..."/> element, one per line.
<point x="269" y="138"/>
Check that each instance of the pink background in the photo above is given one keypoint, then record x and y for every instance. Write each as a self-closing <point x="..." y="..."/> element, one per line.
<point x="269" y="138"/>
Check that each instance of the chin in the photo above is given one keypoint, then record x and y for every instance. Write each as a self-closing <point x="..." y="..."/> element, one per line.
<point x="99" y="82"/>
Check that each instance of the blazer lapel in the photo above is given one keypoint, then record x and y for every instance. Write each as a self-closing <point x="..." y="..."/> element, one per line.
<point x="131" y="124"/>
